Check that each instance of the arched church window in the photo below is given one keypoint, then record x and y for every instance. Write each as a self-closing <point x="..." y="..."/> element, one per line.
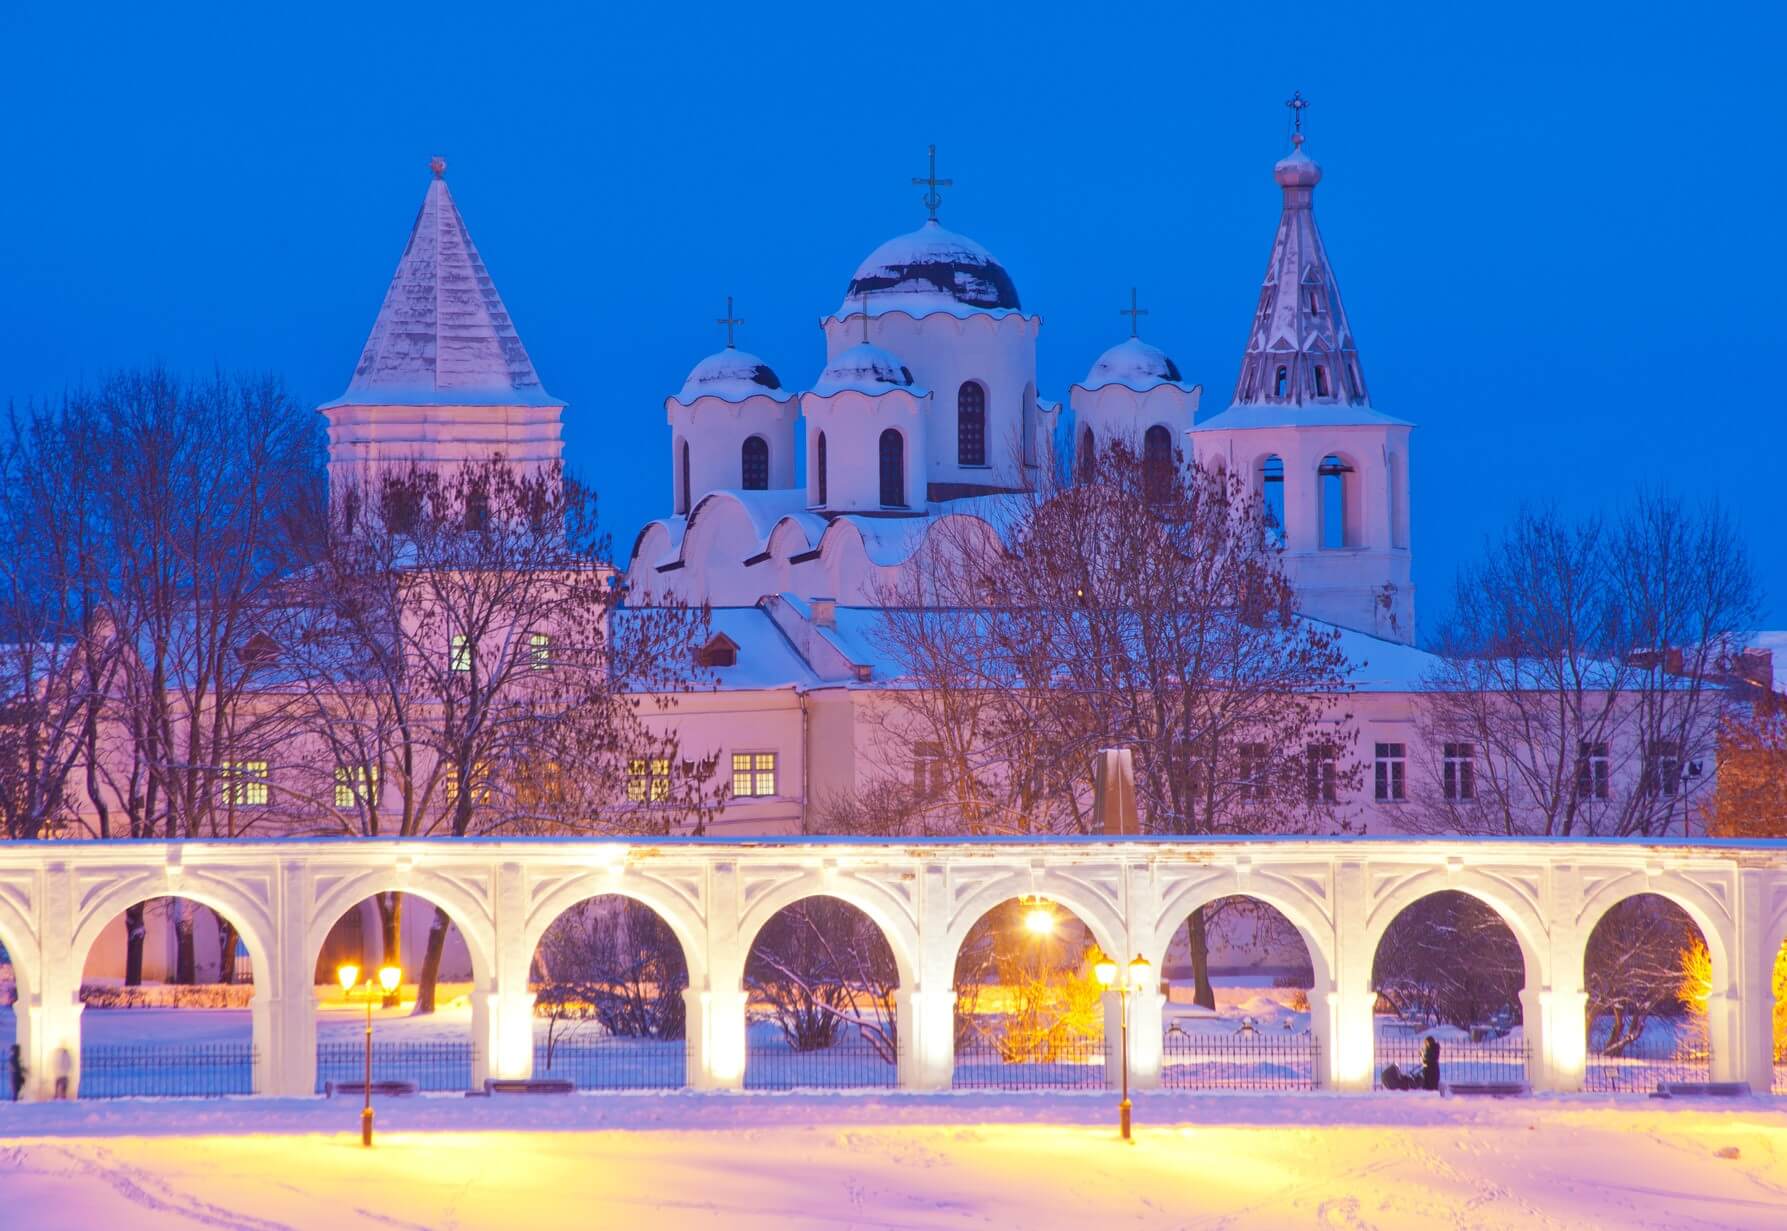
<point x="971" y="425"/>
<point x="1272" y="498"/>
<point x="682" y="479"/>
<point x="819" y="465"/>
<point x="1315" y="302"/>
<point x="755" y="464"/>
<point x="893" y="468"/>
<point x="1339" y="519"/>
<point x="1281" y="382"/>
<point x="1321" y="381"/>
<point x="1085" y="457"/>
<point x="1157" y="464"/>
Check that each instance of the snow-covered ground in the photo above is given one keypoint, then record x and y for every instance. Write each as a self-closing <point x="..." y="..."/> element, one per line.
<point x="909" y="1161"/>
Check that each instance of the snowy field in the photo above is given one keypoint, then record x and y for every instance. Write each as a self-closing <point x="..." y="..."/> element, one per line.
<point x="910" y="1162"/>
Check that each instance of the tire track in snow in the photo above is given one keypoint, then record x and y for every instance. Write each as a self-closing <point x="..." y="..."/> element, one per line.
<point x="148" y="1192"/>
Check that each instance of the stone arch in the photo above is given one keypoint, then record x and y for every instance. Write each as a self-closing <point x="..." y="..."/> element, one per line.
<point x="682" y="921"/>
<point x="1706" y="911"/>
<point x="1100" y="917"/>
<point x="1521" y="917"/>
<point x="467" y="913"/>
<point x="1304" y="914"/>
<point x="20" y="943"/>
<point x="1339" y="482"/>
<point x="248" y="915"/>
<point x="882" y="907"/>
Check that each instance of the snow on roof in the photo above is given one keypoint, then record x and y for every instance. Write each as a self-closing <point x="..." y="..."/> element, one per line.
<point x="1775" y="642"/>
<point x="930" y="271"/>
<point x="443" y="336"/>
<point x="765" y="660"/>
<point x="764" y="509"/>
<point x="866" y="368"/>
<point x="1240" y="418"/>
<point x="731" y="375"/>
<point x="1136" y="365"/>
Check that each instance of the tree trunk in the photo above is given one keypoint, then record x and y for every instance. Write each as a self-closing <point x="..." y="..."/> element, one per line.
<point x="431" y="962"/>
<point x="226" y="950"/>
<point x="135" y="929"/>
<point x="186" y="957"/>
<point x="390" y="917"/>
<point x="1202" y="993"/>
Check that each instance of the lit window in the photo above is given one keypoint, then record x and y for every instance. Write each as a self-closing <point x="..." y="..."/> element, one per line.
<point x="1390" y="773"/>
<point x="648" y="779"/>
<point x="459" y="657"/>
<point x="1593" y="770"/>
<point x="354" y="784"/>
<point x="479" y="782"/>
<point x="1459" y="772"/>
<point x="539" y="651"/>
<point x="1324" y="775"/>
<point x="245" y="784"/>
<point x="753" y="773"/>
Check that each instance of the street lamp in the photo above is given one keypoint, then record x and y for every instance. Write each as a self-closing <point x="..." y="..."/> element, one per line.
<point x="1139" y="971"/>
<point x="388" y="978"/>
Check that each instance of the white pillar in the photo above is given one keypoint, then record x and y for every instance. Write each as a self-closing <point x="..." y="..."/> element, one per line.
<point x="927" y="1011"/>
<point x="1555" y="1023"/>
<point x="1344" y="1010"/>
<point x="285" y="995"/>
<point x="1756" y="950"/>
<point x="509" y="1021"/>
<point x="52" y="1021"/>
<point x="715" y="1035"/>
<point x="1147" y="1027"/>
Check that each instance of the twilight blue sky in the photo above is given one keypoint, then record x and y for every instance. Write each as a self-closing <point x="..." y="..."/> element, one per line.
<point x="1555" y="225"/>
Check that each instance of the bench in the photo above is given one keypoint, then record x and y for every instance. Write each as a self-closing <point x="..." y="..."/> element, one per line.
<point x="1493" y="1089"/>
<point x="531" y="1085"/>
<point x="1702" y="1089"/>
<point x="387" y="1088"/>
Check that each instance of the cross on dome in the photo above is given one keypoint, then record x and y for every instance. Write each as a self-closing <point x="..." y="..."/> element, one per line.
<point x="1298" y="104"/>
<point x="729" y="320"/>
<point x="1134" y="314"/>
<point x="932" y="198"/>
<point x="438" y="165"/>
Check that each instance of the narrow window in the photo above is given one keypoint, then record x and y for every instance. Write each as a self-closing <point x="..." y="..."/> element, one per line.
<point x="1323" y="775"/>
<point x="1593" y="770"/>
<point x="754" y="462"/>
<point x="819" y="465"/>
<point x="753" y="774"/>
<point x="1336" y="479"/>
<point x="1157" y="464"/>
<point x="245" y="784"/>
<point x="893" y="469"/>
<point x="1321" y="381"/>
<point x="682" y="480"/>
<point x="1390" y="773"/>
<point x="1459" y="772"/>
<point x="1272" y="498"/>
<point x="1315" y="302"/>
<point x="477" y="509"/>
<point x="539" y="651"/>
<point x="459" y="653"/>
<point x="927" y="769"/>
<point x="1251" y="764"/>
<point x="971" y="425"/>
<point x="1281" y="382"/>
<point x="1085" y="457"/>
<point x="1663" y="768"/>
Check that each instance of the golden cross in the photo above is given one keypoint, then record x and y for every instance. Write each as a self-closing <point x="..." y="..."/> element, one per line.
<point x="729" y="321"/>
<point x="932" y="198"/>
<point x="1134" y="314"/>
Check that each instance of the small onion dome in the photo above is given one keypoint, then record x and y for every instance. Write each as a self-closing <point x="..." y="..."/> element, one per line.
<point x="930" y="270"/>
<point x="1297" y="170"/>
<point x="864" y="368"/>
<point x="1134" y="364"/>
<point x="731" y="375"/>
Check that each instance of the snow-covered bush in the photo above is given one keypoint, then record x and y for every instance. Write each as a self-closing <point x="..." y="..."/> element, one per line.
<point x="167" y="996"/>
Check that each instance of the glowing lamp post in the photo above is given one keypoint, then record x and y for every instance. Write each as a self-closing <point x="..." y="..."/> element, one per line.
<point x="388" y="979"/>
<point x="1139" y="972"/>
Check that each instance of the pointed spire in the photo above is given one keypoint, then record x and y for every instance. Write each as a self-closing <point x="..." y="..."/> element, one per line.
<point x="443" y="336"/>
<point x="1300" y="349"/>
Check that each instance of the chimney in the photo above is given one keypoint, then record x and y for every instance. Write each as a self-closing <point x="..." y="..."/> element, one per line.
<point x="825" y="612"/>
<point x="1113" y="791"/>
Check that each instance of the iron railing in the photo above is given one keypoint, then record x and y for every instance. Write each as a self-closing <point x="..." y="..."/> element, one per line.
<point x="430" y="1066"/>
<point x="1066" y="1064"/>
<point x="614" y="1063"/>
<point x="848" y="1064"/>
<point x="181" y="1070"/>
<point x="1641" y="1066"/>
<point x="1191" y="1061"/>
<point x="1491" y="1060"/>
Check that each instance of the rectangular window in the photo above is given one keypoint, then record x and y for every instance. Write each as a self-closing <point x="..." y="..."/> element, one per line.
<point x="753" y="773"/>
<point x="479" y="781"/>
<point x="355" y="783"/>
<point x="1251" y="764"/>
<point x="245" y="784"/>
<point x="1323" y="784"/>
<point x="1459" y="772"/>
<point x="459" y="657"/>
<point x="927" y="768"/>
<point x="1593" y="770"/>
<point x="648" y="780"/>
<point x="1663" y="768"/>
<point x="539" y="651"/>
<point x="1390" y="773"/>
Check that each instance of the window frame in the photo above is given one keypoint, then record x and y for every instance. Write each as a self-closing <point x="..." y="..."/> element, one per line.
<point x="246" y="784"/>
<point x="754" y="771"/>
<point x="971" y="425"/>
<point x="1458" y="771"/>
<point x="1389" y="771"/>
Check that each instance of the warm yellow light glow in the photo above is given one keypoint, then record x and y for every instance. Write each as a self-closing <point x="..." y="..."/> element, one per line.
<point x="1039" y="921"/>
<point x="1139" y="971"/>
<point x="348" y="974"/>
<point x="389" y="977"/>
<point x="1106" y="970"/>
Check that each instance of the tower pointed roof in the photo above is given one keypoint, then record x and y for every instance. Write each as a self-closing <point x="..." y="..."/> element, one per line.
<point x="443" y="336"/>
<point x="1300" y="351"/>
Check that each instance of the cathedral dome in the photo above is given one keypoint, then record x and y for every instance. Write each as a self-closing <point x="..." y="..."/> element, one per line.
<point x="927" y="271"/>
<point x="1134" y="364"/>
<point x="1297" y="170"/>
<point x="864" y="368"/>
<point x="732" y="376"/>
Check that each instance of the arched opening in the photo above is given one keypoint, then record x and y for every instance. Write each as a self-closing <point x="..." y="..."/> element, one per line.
<point x="1246" y="1023"/>
<point x="167" y="994"/>
<point x="1271" y="495"/>
<point x="1157" y="464"/>
<point x="15" y="1027"/>
<point x="1029" y="1012"/>
<point x="1281" y="382"/>
<point x="1339" y="498"/>
<point x="1321" y="380"/>
<point x="1778" y="984"/>
<point x="754" y="464"/>
<point x="1085" y="457"/>
<point x="971" y="424"/>
<point x="820" y="980"/>
<point x="1449" y="969"/>
<point x="819" y="467"/>
<point x="682" y="478"/>
<point x="608" y="978"/>
<point x="893" y="469"/>
<point x="1648" y="972"/>
<point x="430" y="1050"/>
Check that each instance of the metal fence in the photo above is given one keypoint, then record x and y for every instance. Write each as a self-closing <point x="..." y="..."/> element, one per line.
<point x="1191" y="1061"/>
<point x="147" y="1070"/>
<point x="431" y="1066"/>
<point x="1641" y="1066"/>
<point x="612" y="1063"/>
<point x="1069" y="1064"/>
<point x="848" y="1064"/>
<point x="1498" y="1060"/>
